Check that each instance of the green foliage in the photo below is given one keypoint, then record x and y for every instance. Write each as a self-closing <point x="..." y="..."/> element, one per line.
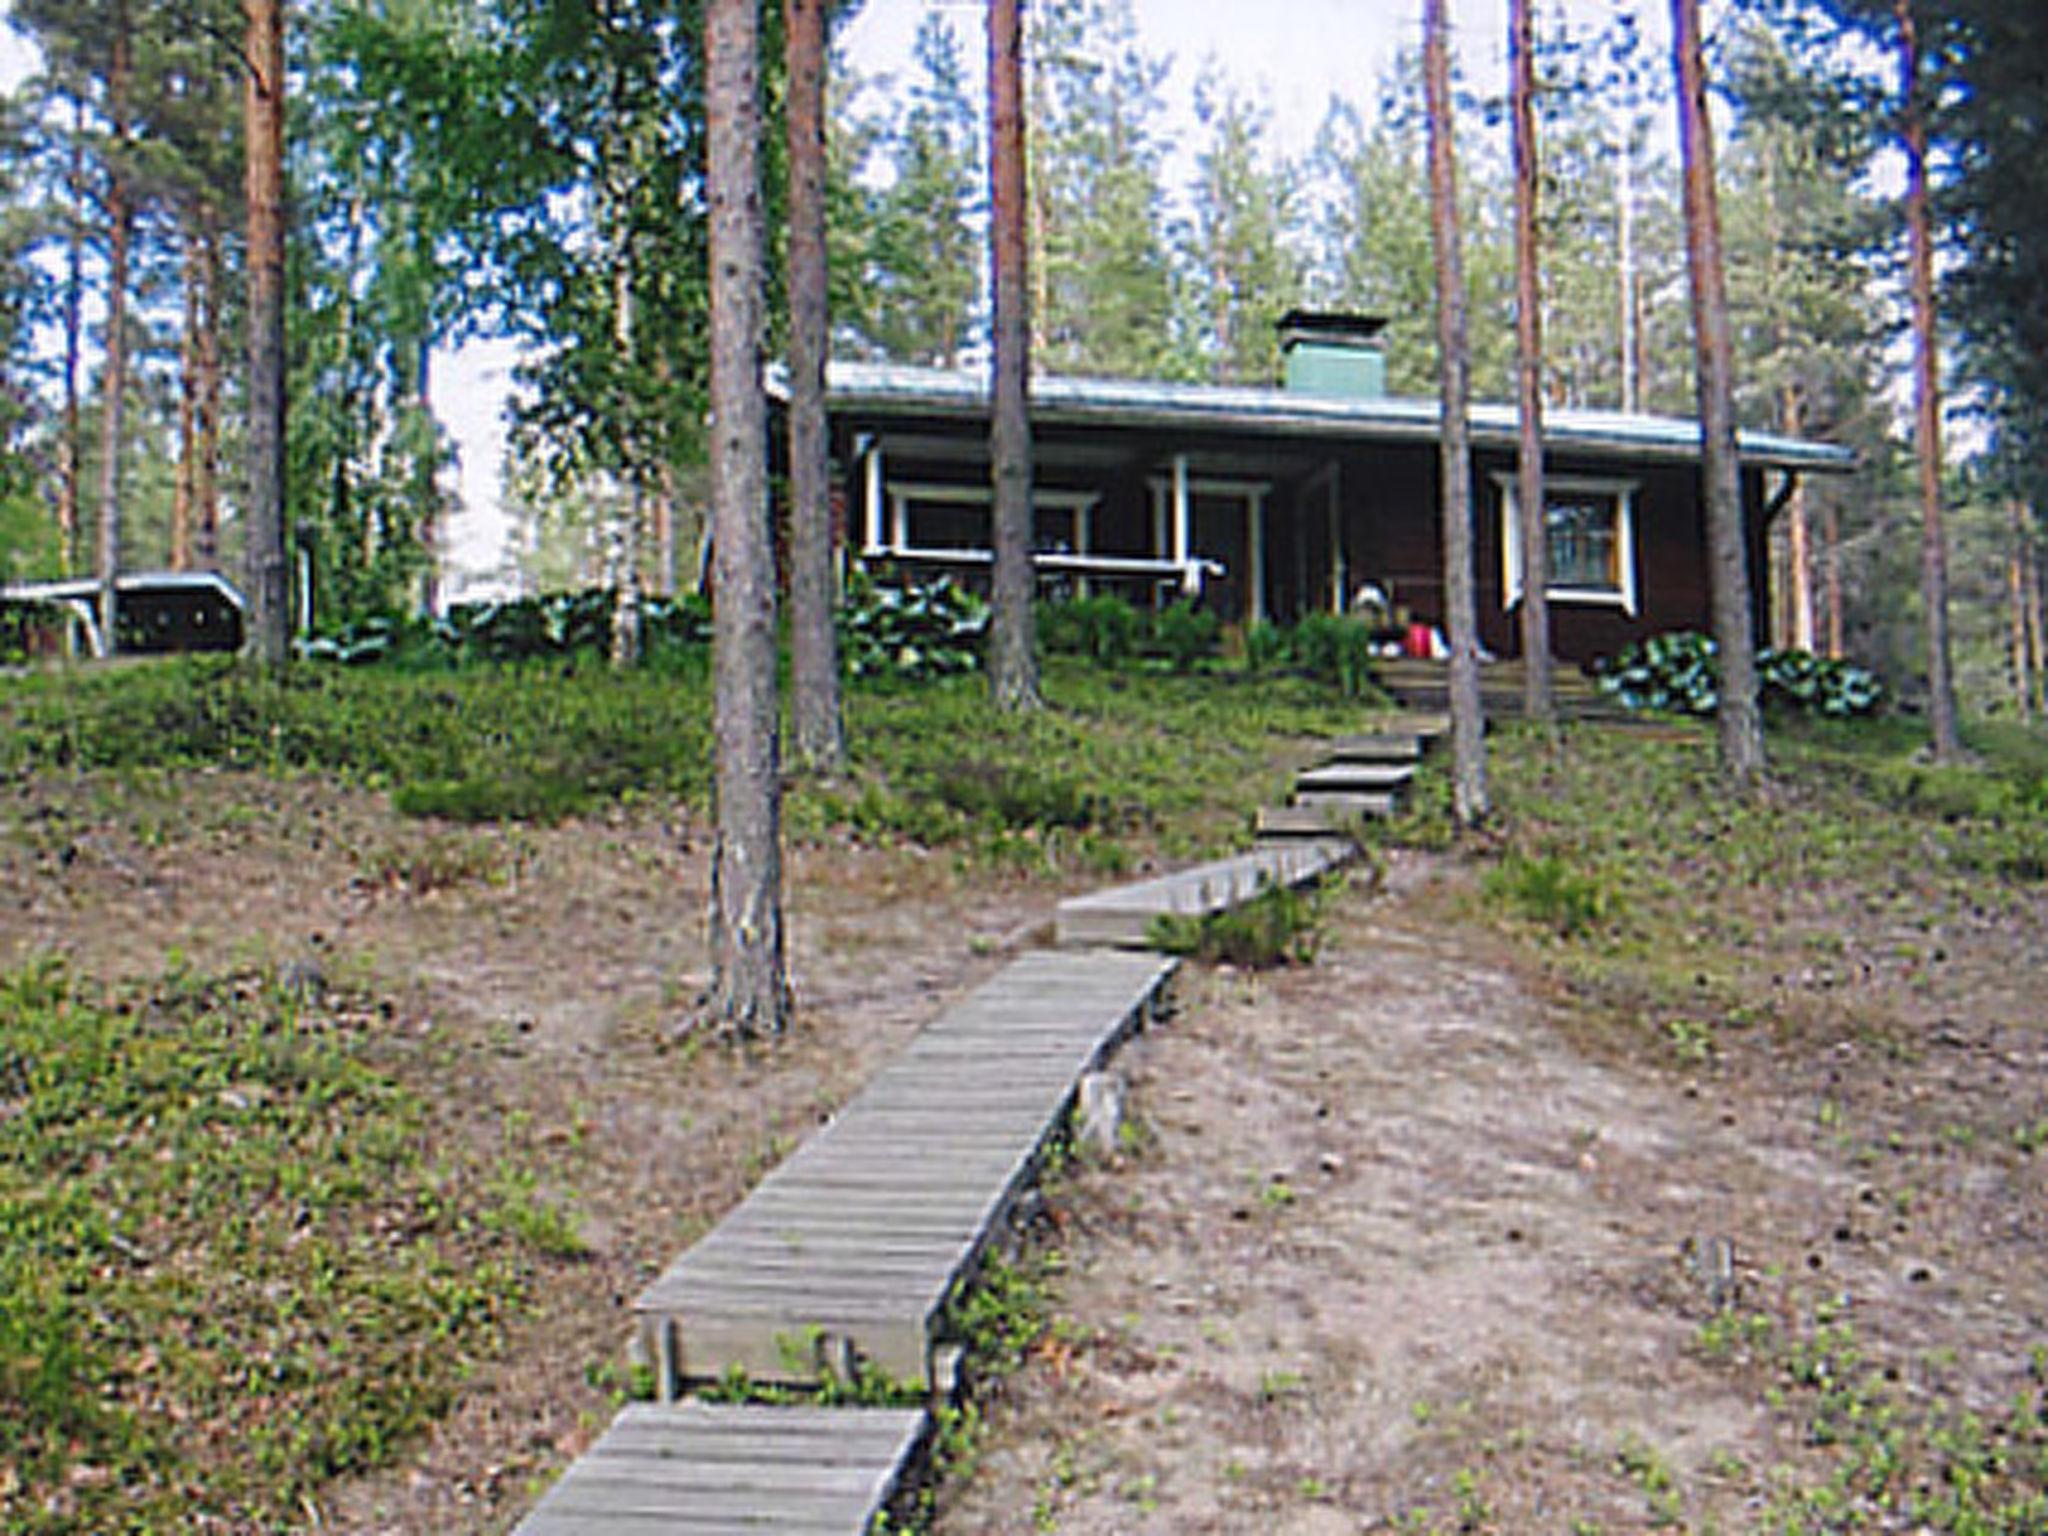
<point x="1546" y="890"/>
<point x="1281" y="925"/>
<point x="1331" y="648"/>
<point x="911" y="631"/>
<point x="559" y="626"/>
<point x="1680" y="674"/>
<point x="1187" y="636"/>
<point x="227" y="1273"/>
<point x="19" y="620"/>
<point x="1105" y="629"/>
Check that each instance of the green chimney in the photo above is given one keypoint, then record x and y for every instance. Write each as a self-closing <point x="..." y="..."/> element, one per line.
<point x="1336" y="356"/>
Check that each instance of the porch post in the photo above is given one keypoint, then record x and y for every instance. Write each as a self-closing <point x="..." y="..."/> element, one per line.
<point x="1255" y="560"/>
<point x="872" y="494"/>
<point x="1084" y="516"/>
<point x="1188" y="582"/>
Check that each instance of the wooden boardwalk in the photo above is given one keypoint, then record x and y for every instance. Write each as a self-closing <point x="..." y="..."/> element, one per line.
<point x="698" y="1469"/>
<point x="1123" y="916"/>
<point x="851" y="1251"/>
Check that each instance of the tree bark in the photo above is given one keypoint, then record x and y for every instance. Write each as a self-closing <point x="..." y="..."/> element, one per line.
<point x="1468" y="724"/>
<point x="1532" y="525"/>
<point x="1013" y="660"/>
<point x="263" y="104"/>
<point x="749" y="985"/>
<point x="72" y="448"/>
<point x="184" y="483"/>
<point x="1741" y="722"/>
<point x="814" y="646"/>
<point x="1831" y="578"/>
<point x="2016" y="590"/>
<point x="206" y="466"/>
<point x="120" y="232"/>
<point x="2030" y="556"/>
<point x="1798" y="535"/>
<point x="1941" y="684"/>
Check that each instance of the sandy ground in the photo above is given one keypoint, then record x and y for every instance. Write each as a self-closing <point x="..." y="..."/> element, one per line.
<point x="1395" y="1253"/>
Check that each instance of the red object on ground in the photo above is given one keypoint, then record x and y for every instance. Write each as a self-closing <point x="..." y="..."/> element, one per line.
<point x="1415" y="644"/>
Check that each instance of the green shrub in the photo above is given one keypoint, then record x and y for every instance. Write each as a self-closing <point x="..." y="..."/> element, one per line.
<point x="1681" y="674"/>
<point x="1281" y="925"/>
<point x="1546" y="890"/>
<point x="1186" y="636"/>
<point x="1104" y="629"/>
<point x="910" y="631"/>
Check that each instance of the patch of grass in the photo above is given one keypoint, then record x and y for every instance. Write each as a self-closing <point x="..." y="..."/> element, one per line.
<point x="229" y="1267"/>
<point x="1545" y="889"/>
<point x="1281" y="925"/>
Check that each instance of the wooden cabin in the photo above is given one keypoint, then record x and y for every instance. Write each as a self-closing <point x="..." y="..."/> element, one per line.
<point x="1319" y="494"/>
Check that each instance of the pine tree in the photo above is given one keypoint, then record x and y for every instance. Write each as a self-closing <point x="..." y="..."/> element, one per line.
<point x="1468" y="725"/>
<point x="749" y="986"/>
<point x="1741" y="722"/>
<point x="1013" y="660"/>
<point x="1103" y="263"/>
<point x="928" y="254"/>
<point x="1243" y="269"/>
<point x="1531" y="502"/>
<point x="264" y="96"/>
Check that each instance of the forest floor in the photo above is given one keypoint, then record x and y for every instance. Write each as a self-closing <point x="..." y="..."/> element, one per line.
<point x="1473" y="1224"/>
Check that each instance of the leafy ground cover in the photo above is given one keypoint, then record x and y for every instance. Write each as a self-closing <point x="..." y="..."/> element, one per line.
<point x="1119" y="760"/>
<point x="236" y="1260"/>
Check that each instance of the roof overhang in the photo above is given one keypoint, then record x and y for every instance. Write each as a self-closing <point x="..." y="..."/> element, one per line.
<point x="882" y="391"/>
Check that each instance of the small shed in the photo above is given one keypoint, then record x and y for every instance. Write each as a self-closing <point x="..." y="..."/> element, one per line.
<point x="158" y="612"/>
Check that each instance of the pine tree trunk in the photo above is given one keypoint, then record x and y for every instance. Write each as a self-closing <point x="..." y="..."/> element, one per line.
<point x="1741" y="722"/>
<point x="1531" y="500"/>
<point x="1831" y="572"/>
<point x="2016" y="591"/>
<point x="120" y="233"/>
<point x="814" y="645"/>
<point x="749" y="986"/>
<point x="1798" y="535"/>
<point x="206" y="464"/>
<point x="2030" y="555"/>
<point x="183" y="486"/>
<point x="1013" y="661"/>
<point x="1941" y="684"/>
<point x="263" y="101"/>
<point x="1468" y="724"/>
<point x="426" y="485"/>
<point x="71" y="469"/>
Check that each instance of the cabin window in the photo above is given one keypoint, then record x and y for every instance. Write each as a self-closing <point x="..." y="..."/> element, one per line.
<point x="1592" y="541"/>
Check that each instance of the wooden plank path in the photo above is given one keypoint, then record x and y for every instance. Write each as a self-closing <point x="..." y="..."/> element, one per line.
<point x="852" y="1250"/>
<point x="1123" y="915"/>
<point x="699" y="1469"/>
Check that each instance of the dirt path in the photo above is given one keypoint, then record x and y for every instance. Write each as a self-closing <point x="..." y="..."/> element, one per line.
<point x="1396" y="1254"/>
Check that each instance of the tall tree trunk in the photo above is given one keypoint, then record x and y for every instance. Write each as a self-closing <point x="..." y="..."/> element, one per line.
<point x="184" y="483"/>
<point x="1798" y="534"/>
<point x="1741" y="722"/>
<point x="2016" y="591"/>
<point x="749" y="985"/>
<point x="1831" y="577"/>
<point x="2030" y="556"/>
<point x="1941" y="683"/>
<point x="814" y="646"/>
<point x="1630" y="281"/>
<point x="426" y="473"/>
<point x="1013" y="660"/>
<point x="72" y="448"/>
<point x="120" y="232"/>
<point x="206" y="464"/>
<point x="1531" y="502"/>
<point x="263" y="105"/>
<point x="1468" y="724"/>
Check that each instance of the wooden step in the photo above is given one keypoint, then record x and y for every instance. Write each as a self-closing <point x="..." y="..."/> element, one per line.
<point x="1123" y="915"/>
<point x="1347" y="802"/>
<point x="933" y="1153"/>
<point x="1377" y="747"/>
<point x="1287" y="823"/>
<point x="729" y="1468"/>
<point x="1355" y="778"/>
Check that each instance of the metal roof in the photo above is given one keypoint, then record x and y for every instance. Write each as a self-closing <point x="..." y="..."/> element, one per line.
<point x="77" y="588"/>
<point x="888" y="389"/>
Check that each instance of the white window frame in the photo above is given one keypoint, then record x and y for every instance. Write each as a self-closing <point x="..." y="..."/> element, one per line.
<point x="901" y="493"/>
<point x="1627" y="596"/>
